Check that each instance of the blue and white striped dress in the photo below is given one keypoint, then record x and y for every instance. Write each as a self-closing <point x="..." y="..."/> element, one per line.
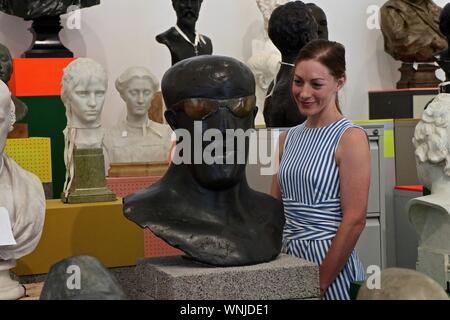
<point x="310" y="188"/>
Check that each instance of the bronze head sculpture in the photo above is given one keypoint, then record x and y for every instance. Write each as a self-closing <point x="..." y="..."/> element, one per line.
<point x="321" y="19"/>
<point x="207" y="209"/>
<point x="183" y="40"/>
<point x="96" y="282"/>
<point x="46" y="23"/>
<point x="411" y="30"/>
<point x="6" y="70"/>
<point x="291" y="27"/>
<point x="411" y="34"/>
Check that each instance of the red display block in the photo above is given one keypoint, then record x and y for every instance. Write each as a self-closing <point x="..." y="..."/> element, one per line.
<point x="37" y="76"/>
<point x="153" y="246"/>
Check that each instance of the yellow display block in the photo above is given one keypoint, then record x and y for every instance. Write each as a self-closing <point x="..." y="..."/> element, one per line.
<point x="32" y="154"/>
<point x="95" y="229"/>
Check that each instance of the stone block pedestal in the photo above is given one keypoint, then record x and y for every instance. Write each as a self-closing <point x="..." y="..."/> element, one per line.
<point x="177" y="278"/>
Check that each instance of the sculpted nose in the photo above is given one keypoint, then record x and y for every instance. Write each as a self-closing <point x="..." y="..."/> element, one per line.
<point x="92" y="102"/>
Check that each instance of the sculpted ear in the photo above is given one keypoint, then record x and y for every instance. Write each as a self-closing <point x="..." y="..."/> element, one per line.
<point x="171" y="119"/>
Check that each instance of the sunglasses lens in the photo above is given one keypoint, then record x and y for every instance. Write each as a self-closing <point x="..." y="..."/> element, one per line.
<point x="198" y="109"/>
<point x="243" y="107"/>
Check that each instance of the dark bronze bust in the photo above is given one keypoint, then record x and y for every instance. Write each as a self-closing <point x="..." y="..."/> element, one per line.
<point x="207" y="209"/>
<point x="32" y="9"/>
<point x="291" y="27"/>
<point x="95" y="281"/>
<point x="321" y="19"/>
<point x="411" y="35"/>
<point x="182" y="40"/>
<point x="46" y="23"/>
<point x="411" y="30"/>
<point x="6" y="70"/>
<point x="443" y="57"/>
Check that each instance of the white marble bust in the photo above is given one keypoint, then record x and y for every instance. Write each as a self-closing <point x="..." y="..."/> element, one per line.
<point x="22" y="206"/>
<point x="430" y="214"/>
<point x="265" y="58"/>
<point x="83" y="90"/>
<point x="136" y="138"/>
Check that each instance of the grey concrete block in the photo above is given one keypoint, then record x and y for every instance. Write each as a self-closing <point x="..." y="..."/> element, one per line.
<point x="168" y="278"/>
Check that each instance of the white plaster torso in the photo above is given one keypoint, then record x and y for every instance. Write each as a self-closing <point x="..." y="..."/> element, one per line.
<point x="264" y="63"/>
<point x="23" y="196"/>
<point x="125" y="143"/>
<point x="430" y="216"/>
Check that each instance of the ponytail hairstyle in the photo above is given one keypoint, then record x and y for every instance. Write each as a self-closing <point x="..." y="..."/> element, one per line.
<point x="331" y="54"/>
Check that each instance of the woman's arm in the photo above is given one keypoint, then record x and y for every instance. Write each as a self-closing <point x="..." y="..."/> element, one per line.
<point x="353" y="159"/>
<point x="275" y="189"/>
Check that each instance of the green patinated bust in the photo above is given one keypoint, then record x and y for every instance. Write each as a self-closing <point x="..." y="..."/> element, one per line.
<point x="6" y="69"/>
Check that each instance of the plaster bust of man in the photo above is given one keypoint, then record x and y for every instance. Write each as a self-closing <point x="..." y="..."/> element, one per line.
<point x="207" y="208"/>
<point x="291" y="27"/>
<point x="411" y="30"/>
<point x="430" y="214"/>
<point x="137" y="138"/>
<point x="6" y="70"/>
<point x="83" y="90"/>
<point x="32" y="9"/>
<point x="22" y="204"/>
<point x="183" y="40"/>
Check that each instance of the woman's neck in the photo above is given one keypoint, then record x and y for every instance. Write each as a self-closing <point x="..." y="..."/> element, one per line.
<point x="324" y="118"/>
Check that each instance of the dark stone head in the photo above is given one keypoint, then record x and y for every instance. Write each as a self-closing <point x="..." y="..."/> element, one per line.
<point x="321" y="20"/>
<point x="222" y="81"/>
<point x="32" y="9"/>
<point x="444" y="22"/>
<point x="81" y="278"/>
<point x="5" y="64"/>
<point x="291" y="27"/>
<point x="187" y="10"/>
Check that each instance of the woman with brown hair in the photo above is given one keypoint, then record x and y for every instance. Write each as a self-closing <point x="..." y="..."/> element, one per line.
<point x="324" y="173"/>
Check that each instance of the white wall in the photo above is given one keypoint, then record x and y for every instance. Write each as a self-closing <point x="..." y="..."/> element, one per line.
<point x="120" y="33"/>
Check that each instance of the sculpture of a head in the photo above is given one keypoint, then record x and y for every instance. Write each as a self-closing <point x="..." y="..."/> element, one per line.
<point x="403" y="284"/>
<point x="6" y="67"/>
<point x="291" y="27"/>
<point x="83" y="90"/>
<point x="136" y="86"/>
<point x="432" y="139"/>
<point x="321" y="20"/>
<point x="212" y="92"/>
<point x="32" y="9"/>
<point x="96" y="282"/>
<point x="266" y="7"/>
<point x="187" y="11"/>
<point x="7" y="115"/>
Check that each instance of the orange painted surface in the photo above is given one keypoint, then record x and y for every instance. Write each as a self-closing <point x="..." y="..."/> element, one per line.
<point x="417" y="188"/>
<point x="37" y="76"/>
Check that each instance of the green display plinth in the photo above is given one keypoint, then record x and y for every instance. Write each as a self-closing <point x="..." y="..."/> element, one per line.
<point x="89" y="183"/>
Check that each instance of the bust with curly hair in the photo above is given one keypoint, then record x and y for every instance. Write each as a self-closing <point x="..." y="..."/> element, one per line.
<point x="291" y="27"/>
<point x="430" y="215"/>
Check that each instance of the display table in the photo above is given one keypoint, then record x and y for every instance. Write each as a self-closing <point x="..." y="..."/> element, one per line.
<point x="37" y="82"/>
<point x="95" y="229"/>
